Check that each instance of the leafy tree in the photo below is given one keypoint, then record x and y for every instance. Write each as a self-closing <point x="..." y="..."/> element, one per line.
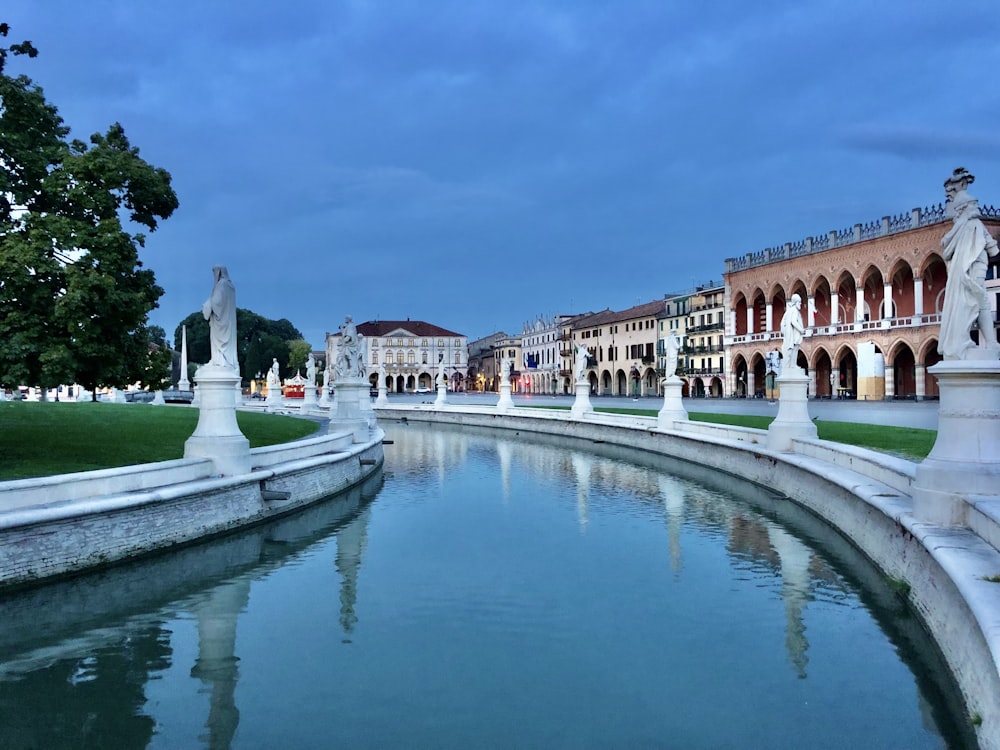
<point x="74" y="297"/>
<point x="259" y="341"/>
<point x="298" y="353"/>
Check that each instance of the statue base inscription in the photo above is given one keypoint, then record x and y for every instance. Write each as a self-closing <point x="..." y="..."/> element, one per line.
<point x="581" y="404"/>
<point x="793" y="419"/>
<point x="962" y="466"/>
<point x="218" y="435"/>
<point x="673" y="407"/>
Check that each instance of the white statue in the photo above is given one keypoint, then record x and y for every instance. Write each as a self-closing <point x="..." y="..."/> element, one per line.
<point x="381" y="375"/>
<point x="361" y="363"/>
<point x="507" y="369"/>
<point x="326" y="379"/>
<point x="220" y="312"/>
<point x="673" y="349"/>
<point x="792" y="332"/>
<point x="311" y="370"/>
<point x="966" y="247"/>
<point x="347" y="351"/>
<point x="273" y="376"/>
<point x="582" y="359"/>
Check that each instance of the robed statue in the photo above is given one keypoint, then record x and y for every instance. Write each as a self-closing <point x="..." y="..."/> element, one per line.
<point x="220" y="312"/>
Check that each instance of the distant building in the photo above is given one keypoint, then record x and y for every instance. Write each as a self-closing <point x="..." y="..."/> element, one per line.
<point x="410" y="351"/>
<point x="482" y="363"/>
<point x="871" y="302"/>
<point x="508" y="347"/>
<point x="541" y="362"/>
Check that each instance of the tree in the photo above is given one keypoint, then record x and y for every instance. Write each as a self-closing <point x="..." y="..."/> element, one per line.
<point x="298" y="353"/>
<point x="259" y="341"/>
<point x="74" y="297"/>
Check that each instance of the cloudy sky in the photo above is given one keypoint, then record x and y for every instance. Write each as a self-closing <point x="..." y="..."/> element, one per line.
<point x="477" y="163"/>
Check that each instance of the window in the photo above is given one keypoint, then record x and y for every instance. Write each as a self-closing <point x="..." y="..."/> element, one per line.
<point x="440" y="342"/>
<point x="424" y="360"/>
<point x="374" y="358"/>
<point x="410" y="358"/>
<point x="458" y="358"/>
<point x="410" y="342"/>
<point x="388" y="358"/>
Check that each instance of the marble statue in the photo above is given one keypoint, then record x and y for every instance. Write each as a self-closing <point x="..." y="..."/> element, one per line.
<point x="582" y="359"/>
<point x="381" y="375"/>
<point x="220" y="312"/>
<point x="967" y="248"/>
<point x="348" y="351"/>
<point x="673" y="349"/>
<point x="311" y="370"/>
<point x="507" y="369"/>
<point x="361" y="364"/>
<point x="792" y="332"/>
<point x="273" y="375"/>
<point x="439" y="380"/>
<point x="326" y="379"/>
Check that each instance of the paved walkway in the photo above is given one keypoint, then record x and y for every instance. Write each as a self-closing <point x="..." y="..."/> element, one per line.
<point x="895" y="413"/>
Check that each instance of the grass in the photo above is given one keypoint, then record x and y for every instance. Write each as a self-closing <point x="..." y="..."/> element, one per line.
<point x="42" y="439"/>
<point x="906" y="442"/>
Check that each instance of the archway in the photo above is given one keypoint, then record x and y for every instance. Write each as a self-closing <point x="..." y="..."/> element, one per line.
<point x="715" y="388"/>
<point x="847" y="365"/>
<point x="823" y="368"/>
<point x="740" y="369"/>
<point x="606" y="384"/>
<point x="400" y="384"/>
<point x="904" y="373"/>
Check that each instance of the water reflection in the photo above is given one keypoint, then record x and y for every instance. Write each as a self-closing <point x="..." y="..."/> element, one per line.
<point x="497" y="588"/>
<point x="76" y="656"/>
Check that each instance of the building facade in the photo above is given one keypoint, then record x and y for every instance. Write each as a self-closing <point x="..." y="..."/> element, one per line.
<point x="410" y="351"/>
<point x="482" y="371"/>
<point x="541" y="361"/>
<point x="623" y="347"/>
<point x="871" y="300"/>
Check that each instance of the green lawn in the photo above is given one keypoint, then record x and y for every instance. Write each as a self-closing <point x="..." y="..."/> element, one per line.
<point x="906" y="442"/>
<point x="39" y="439"/>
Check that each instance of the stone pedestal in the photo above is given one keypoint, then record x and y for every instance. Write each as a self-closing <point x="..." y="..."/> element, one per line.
<point x="217" y="435"/>
<point x="351" y="409"/>
<point x="442" y="395"/>
<point x="158" y="399"/>
<point x="383" y="396"/>
<point x="581" y="405"/>
<point x="793" y="419"/>
<point x="505" y="403"/>
<point x="274" y="398"/>
<point x="963" y="464"/>
<point x="324" y="400"/>
<point x="673" y="406"/>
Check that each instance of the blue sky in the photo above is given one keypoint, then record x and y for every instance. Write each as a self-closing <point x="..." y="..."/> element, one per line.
<point x="477" y="163"/>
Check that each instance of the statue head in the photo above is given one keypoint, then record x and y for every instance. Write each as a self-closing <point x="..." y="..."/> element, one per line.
<point x="796" y="301"/>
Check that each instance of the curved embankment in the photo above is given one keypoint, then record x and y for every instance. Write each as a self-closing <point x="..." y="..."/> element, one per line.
<point x="56" y="526"/>
<point x="951" y="576"/>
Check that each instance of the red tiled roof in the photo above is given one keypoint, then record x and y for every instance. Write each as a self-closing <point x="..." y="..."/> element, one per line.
<point x="417" y="327"/>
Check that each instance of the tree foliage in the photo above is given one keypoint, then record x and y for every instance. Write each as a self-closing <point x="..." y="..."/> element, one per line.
<point x="259" y="341"/>
<point x="74" y="297"/>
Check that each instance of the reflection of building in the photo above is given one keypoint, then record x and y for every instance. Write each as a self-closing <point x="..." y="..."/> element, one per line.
<point x="410" y="351"/>
<point x="880" y="283"/>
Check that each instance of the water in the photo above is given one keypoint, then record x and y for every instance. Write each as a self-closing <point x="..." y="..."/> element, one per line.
<point x="490" y="594"/>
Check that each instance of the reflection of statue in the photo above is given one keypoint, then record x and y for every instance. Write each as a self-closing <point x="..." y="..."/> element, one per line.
<point x="582" y="359"/>
<point x="311" y="370"/>
<point x="967" y="248"/>
<point x="348" y="351"/>
<point x="792" y="330"/>
<point x="220" y="312"/>
<point x="273" y="376"/>
<point x="673" y="349"/>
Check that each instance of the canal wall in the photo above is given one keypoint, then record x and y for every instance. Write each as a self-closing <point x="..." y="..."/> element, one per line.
<point x="55" y="526"/>
<point x="943" y="572"/>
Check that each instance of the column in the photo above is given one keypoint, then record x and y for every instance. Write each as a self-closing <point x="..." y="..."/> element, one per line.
<point x="750" y="324"/>
<point x="859" y="304"/>
<point x="811" y="311"/>
<point x="918" y="295"/>
<point x="890" y="382"/>
<point x="921" y="376"/>
<point x="834" y="308"/>
<point x="835" y="382"/>
<point x="887" y="311"/>
<point x="751" y="386"/>
<point x="768" y="316"/>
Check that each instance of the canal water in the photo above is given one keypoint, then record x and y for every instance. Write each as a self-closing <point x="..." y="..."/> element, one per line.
<point x="488" y="593"/>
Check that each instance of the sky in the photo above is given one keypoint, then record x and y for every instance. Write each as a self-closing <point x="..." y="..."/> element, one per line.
<point x="480" y="163"/>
